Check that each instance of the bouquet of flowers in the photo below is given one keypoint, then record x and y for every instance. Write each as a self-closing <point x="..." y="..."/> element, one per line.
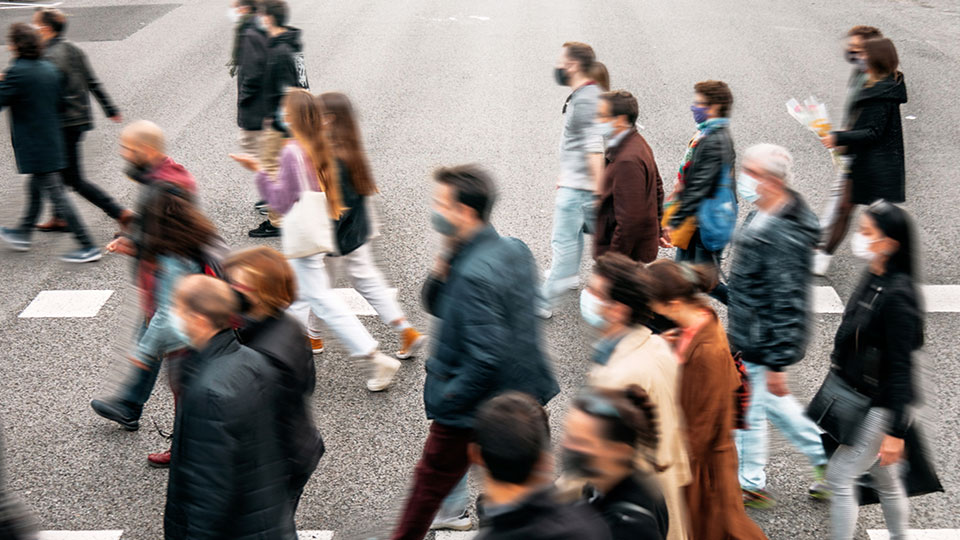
<point x="812" y="114"/>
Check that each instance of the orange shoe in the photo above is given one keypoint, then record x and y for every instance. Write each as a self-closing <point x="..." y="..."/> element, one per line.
<point x="412" y="342"/>
<point x="316" y="345"/>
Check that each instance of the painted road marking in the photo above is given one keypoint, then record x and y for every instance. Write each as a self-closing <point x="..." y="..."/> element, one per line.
<point x="826" y="300"/>
<point x="917" y="534"/>
<point x="315" y="535"/>
<point x="356" y="303"/>
<point x="80" y="535"/>
<point x="66" y="304"/>
<point x="453" y="535"/>
<point x="941" y="298"/>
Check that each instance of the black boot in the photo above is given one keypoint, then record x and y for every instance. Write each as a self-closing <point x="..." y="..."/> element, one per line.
<point x="122" y="412"/>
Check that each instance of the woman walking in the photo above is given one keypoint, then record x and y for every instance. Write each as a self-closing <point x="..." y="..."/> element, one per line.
<point x="309" y="155"/>
<point x="708" y="385"/>
<point x="881" y="328"/>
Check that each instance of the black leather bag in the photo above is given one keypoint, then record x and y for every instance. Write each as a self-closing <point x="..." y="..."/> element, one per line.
<point x="838" y="408"/>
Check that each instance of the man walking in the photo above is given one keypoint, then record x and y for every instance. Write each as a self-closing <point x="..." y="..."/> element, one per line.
<point x="483" y="294"/>
<point x="631" y="197"/>
<point x="229" y="475"/>
<point x="283" y="69"/>
<point x="768" y="306"/>
<point x="581" y="169"/>
<point x="79" y="81"/>
<point x="31" y="87"/>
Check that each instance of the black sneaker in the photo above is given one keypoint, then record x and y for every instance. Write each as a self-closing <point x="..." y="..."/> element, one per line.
<point x="260" y="205"/>
<point x="17" y="240"/>
<point x="265" y="230"/>
<point x="118" y="412"/>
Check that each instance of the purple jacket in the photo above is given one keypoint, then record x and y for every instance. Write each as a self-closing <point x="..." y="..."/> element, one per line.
<point x="283" y="191"/>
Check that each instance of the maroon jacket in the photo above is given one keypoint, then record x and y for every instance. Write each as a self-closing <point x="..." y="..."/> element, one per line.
<point x="631" y="202"/>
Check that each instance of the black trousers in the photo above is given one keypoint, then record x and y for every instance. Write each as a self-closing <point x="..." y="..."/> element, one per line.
<point x="48" y="185"/>
<point x="73" y="175"/>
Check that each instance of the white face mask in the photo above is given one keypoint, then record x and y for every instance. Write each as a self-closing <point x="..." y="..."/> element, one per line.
<point x="747" y="187"/>
<point x="860" y="246"/>
<point x="234" y="15"/>
<point x="606" y="129"/>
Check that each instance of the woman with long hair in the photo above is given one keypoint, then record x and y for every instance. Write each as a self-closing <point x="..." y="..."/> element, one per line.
<point x="310" y="155"/>
<point x="354" y="228"/>
<point x="708" y="385"/>
<point x="882" y="326"/>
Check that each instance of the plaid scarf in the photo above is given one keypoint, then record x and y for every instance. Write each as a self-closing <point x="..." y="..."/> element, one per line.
<point x="703" y="129"/>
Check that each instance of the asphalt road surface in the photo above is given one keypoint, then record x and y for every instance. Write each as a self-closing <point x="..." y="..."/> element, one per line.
<point x="442" y="82"/>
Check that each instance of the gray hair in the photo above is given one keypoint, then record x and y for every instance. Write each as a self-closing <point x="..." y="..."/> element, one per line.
<point x="773" y="159"/>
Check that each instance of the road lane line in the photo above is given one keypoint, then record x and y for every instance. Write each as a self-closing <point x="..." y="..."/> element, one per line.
<point x="826" y="300"/>
<point x="455" y="535"/>
<point x="941" y="298"/>
<point x="918" y="534"/>
<point x="315" y="535"/>
<point x="79" y="535"/>
<point x="66" y="304"/>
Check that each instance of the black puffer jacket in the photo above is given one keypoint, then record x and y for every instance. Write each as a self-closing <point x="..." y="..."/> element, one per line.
<point x="281" y="340"/>
<point x="540" y="517"/>
<point x="875" y="141"/>
<point x="282" y="71"/>
<point x="251" y="66"/>
<point x="229" y="476"/>
<point x="79" y="81"/>
<point x="883" y="322"/>
<point x="769" y="288"/>
<point x="634" y="509"/>
<point x="713" y="154"/>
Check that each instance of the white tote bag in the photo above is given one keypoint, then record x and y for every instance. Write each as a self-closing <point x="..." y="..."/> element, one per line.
<point x="307" y="229"/>
<point x="372" y="206"/>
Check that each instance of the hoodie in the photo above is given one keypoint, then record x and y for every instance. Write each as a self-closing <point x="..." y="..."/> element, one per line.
<point x="285" y="69"/>
<point x="770" y="284"/>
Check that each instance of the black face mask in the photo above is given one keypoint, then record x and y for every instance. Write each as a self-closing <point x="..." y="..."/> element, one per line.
<point x="851" y="57"/>
<point x="560" y="75"/>
<point x="578" y="463"/>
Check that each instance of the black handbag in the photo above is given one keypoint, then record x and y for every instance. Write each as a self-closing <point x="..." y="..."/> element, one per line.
<point x="838" y="408"/>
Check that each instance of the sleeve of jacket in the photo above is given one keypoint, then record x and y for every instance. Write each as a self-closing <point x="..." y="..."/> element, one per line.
<point x="430" y="292"/>
<point x="783" y="326"/>
<point x="900" y="325"/>
<point x="253" y="63"/>
<point x="702" y="394"/>
<point x="484" y="332"/>
<point x="656" y="173"/>
<point x="9" y="87"/>
<point x="704" y="170"/>
<point x="869" y="127"/>
<point x="631" y="204"/>
<point x="93" y="83"/>
<point x="284" y="191"/>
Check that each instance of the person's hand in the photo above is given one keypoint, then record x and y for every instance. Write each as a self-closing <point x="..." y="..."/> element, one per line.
<point x="117" y="118"/>
<point x="122" y="245"/>
<point x="777" y="383"/>
<point x="249" y="162"/>
<point x="830" y="141"/>
<point x="665" y="238"/>
<point x="891" y="450"/>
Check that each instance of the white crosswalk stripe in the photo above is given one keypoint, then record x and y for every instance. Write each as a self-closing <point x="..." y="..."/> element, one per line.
<point x="315" y="535"/>
<point x="79" y="535"/>
<point x="67" y="304"/>
<point x="454" y="535"/>
<point x="826" y="300"/>
<point x="941" y="298"/>
<point x="916" y="534"/>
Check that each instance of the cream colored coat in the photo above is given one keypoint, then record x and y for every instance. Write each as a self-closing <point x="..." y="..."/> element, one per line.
<point x="648" y="361"/>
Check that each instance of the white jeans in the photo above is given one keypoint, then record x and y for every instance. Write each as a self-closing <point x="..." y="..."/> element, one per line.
<point x="316" y="295"/>
<point x="367" y="279"/>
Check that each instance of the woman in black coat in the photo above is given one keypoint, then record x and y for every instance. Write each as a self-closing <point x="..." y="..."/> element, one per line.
<point x="881" y="328"/>
<point x="267" y="286"/>
<point x="874" y="142"/>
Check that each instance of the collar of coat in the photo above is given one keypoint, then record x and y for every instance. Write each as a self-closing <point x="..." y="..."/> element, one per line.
<point x="628" y="137"/>
<point x="220" y="344"/>
<point x="484" y="234"/>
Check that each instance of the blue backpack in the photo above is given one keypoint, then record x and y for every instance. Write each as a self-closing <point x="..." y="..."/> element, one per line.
<point x="717" y="216"/>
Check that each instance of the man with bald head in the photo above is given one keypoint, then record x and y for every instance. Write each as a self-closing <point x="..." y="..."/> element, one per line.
<point x="228" y="475"/>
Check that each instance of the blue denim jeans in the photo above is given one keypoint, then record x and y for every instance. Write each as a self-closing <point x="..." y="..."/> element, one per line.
<point x="455" y="505"/>
<point x="787" y="415"/>
<point x="567" y="243"/>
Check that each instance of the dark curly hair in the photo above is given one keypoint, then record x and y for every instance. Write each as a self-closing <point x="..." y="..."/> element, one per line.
<point x="626" y="286"/>
<point x="717" y="93"/>
<point x="173" y="225"/>
<point x="25" y="40"/>
<point x="629" y="416"/>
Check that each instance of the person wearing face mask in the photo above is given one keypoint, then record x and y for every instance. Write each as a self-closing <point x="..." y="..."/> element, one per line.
<point x="871" y="142"/>
<point x="768" y="309"/>
<point x="627" y="353"/>
<point x="482" y="291"/>
<point x="605" y="432"/>
<point x="708" y="384"/>
<point x="708" y="160"/>
<point x="882" y="326"/>
<point x="266" y="286"/>
<point x="230" y="474"/>
<point x="581" y="173"/>
<point x="631" y="196"/>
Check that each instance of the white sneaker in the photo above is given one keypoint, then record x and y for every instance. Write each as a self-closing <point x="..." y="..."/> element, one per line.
<point x="544" y="313"/>
<point x="384" y="369"/>
<point x="459" y="523"/>
<point x="821" y="263"/>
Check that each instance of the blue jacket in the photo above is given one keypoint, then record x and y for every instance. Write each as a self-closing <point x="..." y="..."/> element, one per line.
<point x="489" y="336"/>
<point x="770" y="278"/>
<point x="32" y="90"/>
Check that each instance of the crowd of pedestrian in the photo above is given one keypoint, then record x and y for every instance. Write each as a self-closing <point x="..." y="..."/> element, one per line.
<point x="668" y="437"/>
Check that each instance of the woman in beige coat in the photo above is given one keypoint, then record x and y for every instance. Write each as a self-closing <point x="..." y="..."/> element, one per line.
<point x="628" y="353"/>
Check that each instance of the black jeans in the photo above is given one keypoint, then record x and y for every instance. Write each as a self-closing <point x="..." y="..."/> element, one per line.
<point x="697" y="253"/>
<point x="73" y="175"/>
<point x="49" y="185"/>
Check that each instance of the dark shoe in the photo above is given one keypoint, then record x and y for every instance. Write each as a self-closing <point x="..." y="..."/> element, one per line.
<point x="260" y="205"/>
<point x="160" y="460"/>
<point x="265" y="230"/>
<point x="17" y="240"/>
<point x="54" y="225"/>
<point x="82" y="255"/>
<point x="117" y="411"/>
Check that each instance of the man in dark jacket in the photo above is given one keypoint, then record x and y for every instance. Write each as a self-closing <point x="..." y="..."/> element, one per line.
<point x="31" y="88"/>
<point x="79" y="81"/>
<point x="631" y="194"/>
<point x="248" y="64"/>
<point x="284" y="68"/>
<point x="512" y="442"/>
<point x="229" y="477"/>
<point x="483" y="292"/>
<point x="768" y="307"/>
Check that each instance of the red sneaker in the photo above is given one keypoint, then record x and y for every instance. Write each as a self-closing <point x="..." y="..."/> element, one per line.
<point x="160" y="460"/>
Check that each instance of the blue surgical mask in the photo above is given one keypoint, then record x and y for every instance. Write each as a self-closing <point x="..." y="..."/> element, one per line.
<point x="699" y="114"/>
<point x="747" y="187"/>
<point x="178" y="326"/>
<point x="260" y="24"/>
<point x="606" y="129"/>
<point x="441" y="224"/>
<point x="590" y="307"/>
<point x="282" y="119"/>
